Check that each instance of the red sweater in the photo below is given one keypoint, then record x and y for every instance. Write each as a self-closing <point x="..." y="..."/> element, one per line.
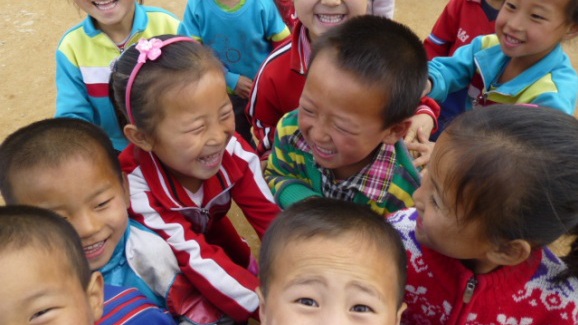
<point x="278" y="87"/>
<point x="209" y="250"/>
<point x="518" y="295"/>
<point x="460" y="22"/>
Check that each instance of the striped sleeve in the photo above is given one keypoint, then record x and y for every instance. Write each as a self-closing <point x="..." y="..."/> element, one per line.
<point x="263" y="108"/>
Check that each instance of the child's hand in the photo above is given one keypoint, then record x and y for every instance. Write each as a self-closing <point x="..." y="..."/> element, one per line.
<point x="421" y="149"/>
<point x="419" y="121"/>
<point x="244" y="86"/>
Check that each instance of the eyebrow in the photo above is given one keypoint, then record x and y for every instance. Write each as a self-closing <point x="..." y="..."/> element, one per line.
<point x="365" y="288"/>
<point x="41" y="293"/>
<point x="307" y="280"/>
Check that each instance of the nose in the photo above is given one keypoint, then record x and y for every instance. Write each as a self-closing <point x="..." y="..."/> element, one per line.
<point x="217" y="134"/>
<point x="85" y="223"/>
<point x="318" y="132"/>
<point x="336" y="317"/>
<point x="331" y="3"/>
<point x="515" y="22"/>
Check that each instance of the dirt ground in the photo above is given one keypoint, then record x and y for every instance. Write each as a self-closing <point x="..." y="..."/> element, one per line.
<point x="31" y="31"/>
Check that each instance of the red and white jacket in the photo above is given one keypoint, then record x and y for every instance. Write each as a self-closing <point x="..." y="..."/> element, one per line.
<point x="209" y="250"/>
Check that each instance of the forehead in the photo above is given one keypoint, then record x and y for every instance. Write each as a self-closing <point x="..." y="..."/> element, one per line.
<point x="330" y="86"/>
<point x="349" y="253"/>
<point x="74" y="178"/>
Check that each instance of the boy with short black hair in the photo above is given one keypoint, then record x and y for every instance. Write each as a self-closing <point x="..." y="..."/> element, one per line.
<point x="344" y="140"/>
<point x="325" y="260"/>
<point x="70" y="166"/>
<point x="46" y="278"/>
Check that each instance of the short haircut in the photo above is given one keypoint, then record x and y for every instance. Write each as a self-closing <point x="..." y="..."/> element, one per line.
<point x="24" y="227"/>
<point x="330" y="218"/>
<point x="384" y="54"/>
<point x="49" y="143"/>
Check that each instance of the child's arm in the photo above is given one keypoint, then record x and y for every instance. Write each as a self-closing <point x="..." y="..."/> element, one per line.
<point x="251" y="192"/>
<point x="443" y="34"/>
<point x="225" y="284"/>
<point x="275" y="28"/>
<point x="264" y="109"/>
<point x="383" y="8"/>
<point x="450" y="74"/>
<point x="285" y="171"/>
<point x="72" y="97"/>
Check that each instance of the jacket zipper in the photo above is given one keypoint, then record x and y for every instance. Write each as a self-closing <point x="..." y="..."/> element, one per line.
<point x="470" y="288"/>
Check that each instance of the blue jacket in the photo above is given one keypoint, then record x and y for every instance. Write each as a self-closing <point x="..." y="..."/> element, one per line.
<point x="83" y="61"/>
<point x="551" y="82"/>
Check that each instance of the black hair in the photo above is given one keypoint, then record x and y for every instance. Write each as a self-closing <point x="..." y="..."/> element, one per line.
<point x="383" y="54"/>
<point x="49" y="143"/>
<point x="329" y="218"/>
<point x="180" y="64"/>
<point x="31" y="227"/>
<point x="515" y="170"/>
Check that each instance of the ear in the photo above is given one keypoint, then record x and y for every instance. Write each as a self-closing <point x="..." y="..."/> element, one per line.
<point x="261" y="306"/>
<point x="572" y="32"/>
<point x="511" y="253"/>
<point x="95" y="294"/>
<point x="137" y="137"/>
<point x="400" y="311"/>
<point x="395" y="132"/>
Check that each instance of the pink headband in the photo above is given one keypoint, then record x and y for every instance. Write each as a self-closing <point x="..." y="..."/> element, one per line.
<point x="151" y="50"/>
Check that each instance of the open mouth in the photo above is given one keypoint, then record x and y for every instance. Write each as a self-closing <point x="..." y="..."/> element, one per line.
<point x="331" y="19"/>
<point x="323" y="152"/>
<point x="212" y="160"/>
<point x="511" y="40"/>
<point x="94" y="250"/>
<point x="105" y="5"/>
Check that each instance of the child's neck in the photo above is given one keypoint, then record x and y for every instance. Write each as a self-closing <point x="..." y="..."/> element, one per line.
<point x="480" y="266"/>
<point x="118" y="33"/>
<point x="514" y="68"/>
<point x="229" y="3"/>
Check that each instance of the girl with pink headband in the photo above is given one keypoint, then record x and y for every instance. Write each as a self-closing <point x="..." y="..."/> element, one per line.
<point x="185" y="165"/>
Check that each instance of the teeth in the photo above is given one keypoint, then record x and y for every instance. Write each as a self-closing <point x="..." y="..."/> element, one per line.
<point x="211" y="159"/>
<point x="325" y="151"/>
<point x="330" y="19"/>
<point x="105" y="5"/>
<point x="94" y="247"/>
<point x="512" y="40"/>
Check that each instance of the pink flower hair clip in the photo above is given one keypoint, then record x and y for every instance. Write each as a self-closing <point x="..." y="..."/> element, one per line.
<point x="151" y="50"/>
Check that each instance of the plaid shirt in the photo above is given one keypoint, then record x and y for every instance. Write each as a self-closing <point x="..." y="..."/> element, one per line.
<point x="370" y="181"/>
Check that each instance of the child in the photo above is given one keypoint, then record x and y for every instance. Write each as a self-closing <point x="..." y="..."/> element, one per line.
<point x="45" y="277"/>
<point x="327" y="261"/>
<point x="501" y="185"/>
<point x="460" y="22"/>
<point x="85" y="54"/>
<point x="522" y="63"/>
<point x="280" y="80"/>
<point x="242" y="33"/>
<point x="185" y="164"/>
<point x="383" y="8"/>
<point x="343" y="141"/>
<point x="69" y="166"/>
